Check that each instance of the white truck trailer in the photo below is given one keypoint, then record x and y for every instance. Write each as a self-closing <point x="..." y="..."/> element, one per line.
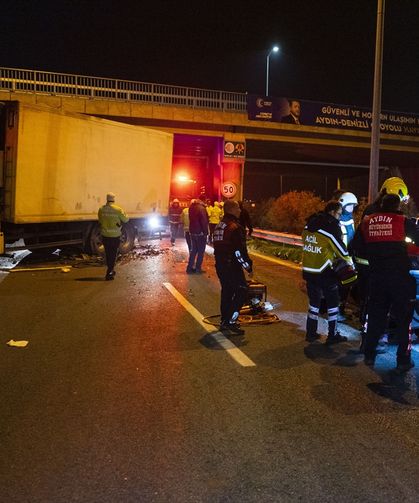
<point x="56" y="168"/>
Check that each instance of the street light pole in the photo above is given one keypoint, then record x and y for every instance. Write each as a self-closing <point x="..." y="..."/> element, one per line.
<point x="275" y="48"/>
<point x="376" y="104"/>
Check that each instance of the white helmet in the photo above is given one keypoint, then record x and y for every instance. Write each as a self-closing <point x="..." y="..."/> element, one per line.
<point x="348" y="198"/>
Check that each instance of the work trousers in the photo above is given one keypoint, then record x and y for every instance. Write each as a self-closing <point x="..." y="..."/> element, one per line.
<point x="233" y="290"/>
<point x="198" y="244"/>
<point x="188" y="240"/>
<point x="174" y="231"/>
<point x="317" y="289"/>
<point x="360" y="291"/>
<point x="395" y="291"/>
<point x="111" y="250"/>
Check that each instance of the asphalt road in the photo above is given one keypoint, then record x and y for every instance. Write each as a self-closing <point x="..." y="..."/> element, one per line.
<point x="122" y="395"/>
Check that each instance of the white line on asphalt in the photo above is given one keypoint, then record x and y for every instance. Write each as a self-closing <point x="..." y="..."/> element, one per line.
<point x="279" y="261"/>
<point x="225" y="343"/>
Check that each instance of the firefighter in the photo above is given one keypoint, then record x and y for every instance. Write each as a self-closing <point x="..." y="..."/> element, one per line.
<point x="393" y="185"/>
<point x="111" y="217"/>
<point x="175" y="212"/>
<point x="231" y="258"/>
<point x="322" y="248"/>
<point x="349" y="201"/>
<point x="383" y="236"/>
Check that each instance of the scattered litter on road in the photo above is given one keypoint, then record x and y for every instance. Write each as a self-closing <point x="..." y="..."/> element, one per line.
<point x="141" y="252"/>
<point x="12" y="258"/>
<point x="17" y="344"/>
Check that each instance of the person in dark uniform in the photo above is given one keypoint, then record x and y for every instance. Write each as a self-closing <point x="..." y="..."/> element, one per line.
<point x="231" y="258"/>
<point x="245" y="220"/>
<point x="392" y="185"/>
<point x="111" y="217"/>
<point x="383" y="235"/>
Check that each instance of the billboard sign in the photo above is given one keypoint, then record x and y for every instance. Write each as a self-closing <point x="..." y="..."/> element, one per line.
<point x="312" y="113"/>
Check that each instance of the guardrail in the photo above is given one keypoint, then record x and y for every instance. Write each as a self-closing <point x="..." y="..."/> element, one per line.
<point x="278" y="237"/>
<point x="64" y="84"/>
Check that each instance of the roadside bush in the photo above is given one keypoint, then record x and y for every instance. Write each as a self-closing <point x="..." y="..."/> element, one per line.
<point x="289" y="212"/>
<point x="259" y="213"/>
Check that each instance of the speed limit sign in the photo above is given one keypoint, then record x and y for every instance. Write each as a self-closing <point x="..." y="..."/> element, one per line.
<point x="229" y="189"/>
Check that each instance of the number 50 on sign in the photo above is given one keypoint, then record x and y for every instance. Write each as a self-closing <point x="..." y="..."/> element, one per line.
<point x="229" y="189"/>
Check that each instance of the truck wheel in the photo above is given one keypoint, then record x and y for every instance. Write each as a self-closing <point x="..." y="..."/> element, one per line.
<point x="127" y="239"/>
<point x="95" y="242"/>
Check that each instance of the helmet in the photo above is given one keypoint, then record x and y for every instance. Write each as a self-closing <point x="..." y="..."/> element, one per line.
<point x="347" y="198"/>
<point x="396" y="185"/>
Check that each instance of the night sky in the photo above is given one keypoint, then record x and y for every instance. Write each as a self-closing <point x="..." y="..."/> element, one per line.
<point x="327" y="45"/>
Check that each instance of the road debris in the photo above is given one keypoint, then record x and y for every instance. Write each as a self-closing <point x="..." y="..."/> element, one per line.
<point x="17" y="344"/>
<point x="141" y="252"/>
<point x="66" y="268"/>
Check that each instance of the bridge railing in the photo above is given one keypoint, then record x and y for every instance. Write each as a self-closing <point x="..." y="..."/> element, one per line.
<point x="63" y="84"/>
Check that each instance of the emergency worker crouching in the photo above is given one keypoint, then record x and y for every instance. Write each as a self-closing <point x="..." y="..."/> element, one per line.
<point x="322" y="248"/>
<point x="231" y="258"/>
<point x="111" y="217"/>
<point x="383" y="236"/>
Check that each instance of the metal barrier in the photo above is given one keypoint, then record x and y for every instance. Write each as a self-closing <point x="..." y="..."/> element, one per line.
<point x="278" y="237"/>
<point x="63" y="84"/>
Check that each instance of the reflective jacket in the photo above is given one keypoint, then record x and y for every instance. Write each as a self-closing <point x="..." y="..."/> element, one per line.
<point x="184" y="218"/>
<point x="381" y="237"/>
<point x="111" y="217"/>
<point x="347" y="226"/>
<point x="230" y="243"/>
<point x="214" y="214"/>
<point x="322" y="246"/>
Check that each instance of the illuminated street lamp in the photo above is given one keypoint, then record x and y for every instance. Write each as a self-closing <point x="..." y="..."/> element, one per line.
<point x="275" y="48"/>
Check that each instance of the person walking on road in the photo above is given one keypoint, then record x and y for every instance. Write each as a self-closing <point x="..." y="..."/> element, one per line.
<point x="322" y="247"/>
<point x="175" y="212"/>
<point x="111" y="217"/>
<point x="198" y="229"/>
<point x="383" y="236"/>
<point x="231" y="258"/>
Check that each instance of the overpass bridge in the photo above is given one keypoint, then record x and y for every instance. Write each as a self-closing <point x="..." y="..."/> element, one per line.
<point x="278" y="157"/>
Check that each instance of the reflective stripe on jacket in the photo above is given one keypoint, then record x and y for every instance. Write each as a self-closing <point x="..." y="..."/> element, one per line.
<point x="322" y="245"/>
<point x="111" y="217"/>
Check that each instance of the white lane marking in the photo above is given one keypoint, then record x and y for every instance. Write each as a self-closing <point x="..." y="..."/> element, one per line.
<point x="279" y="261"/>
<point x="225" y="343"/>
